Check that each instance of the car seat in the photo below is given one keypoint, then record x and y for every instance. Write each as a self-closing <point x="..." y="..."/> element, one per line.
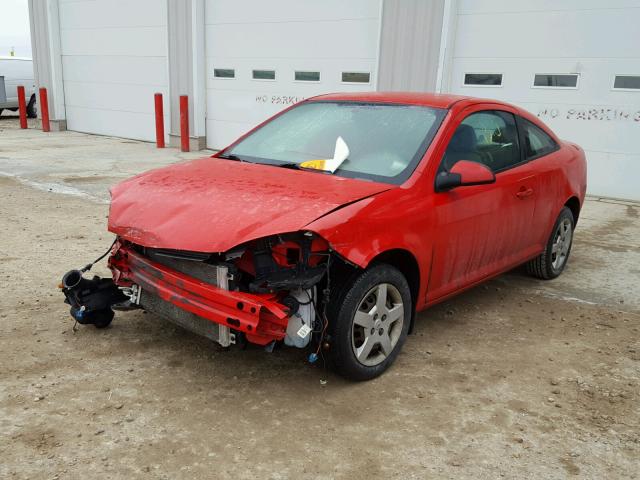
<point x="463" y="146"/>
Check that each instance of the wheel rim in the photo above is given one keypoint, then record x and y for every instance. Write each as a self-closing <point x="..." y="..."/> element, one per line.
<point x="377" y="324"/>
<point x="561" y="244"/>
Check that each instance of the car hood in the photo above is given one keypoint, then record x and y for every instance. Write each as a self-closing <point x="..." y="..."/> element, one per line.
<point x="212" y="205"/>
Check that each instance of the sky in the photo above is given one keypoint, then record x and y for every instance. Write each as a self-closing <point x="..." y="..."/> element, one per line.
<point x="14" y="27"/>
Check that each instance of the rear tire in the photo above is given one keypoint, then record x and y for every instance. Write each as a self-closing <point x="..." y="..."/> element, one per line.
<point x="370" y="323"/>
<point x="553" y="260"/>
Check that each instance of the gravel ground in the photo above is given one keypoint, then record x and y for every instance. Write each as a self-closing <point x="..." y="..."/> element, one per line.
<point x="513" y="379"/>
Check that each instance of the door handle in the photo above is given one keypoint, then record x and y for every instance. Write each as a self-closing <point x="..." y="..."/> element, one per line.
<point x="524" y="193"/>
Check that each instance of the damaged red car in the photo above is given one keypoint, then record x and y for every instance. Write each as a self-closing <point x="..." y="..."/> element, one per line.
<point x="329" y="226"/>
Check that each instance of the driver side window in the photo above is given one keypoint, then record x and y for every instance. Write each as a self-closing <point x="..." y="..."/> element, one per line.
<point x="487" y="137"/>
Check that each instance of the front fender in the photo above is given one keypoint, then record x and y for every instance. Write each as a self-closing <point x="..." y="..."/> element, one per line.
<point x="393" y="220"/>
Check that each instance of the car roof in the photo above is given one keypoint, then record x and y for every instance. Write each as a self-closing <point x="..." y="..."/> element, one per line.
<point x="435" y="100"/>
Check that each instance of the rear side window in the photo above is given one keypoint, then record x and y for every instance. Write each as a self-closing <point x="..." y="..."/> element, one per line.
<point x="535" y="141"/>
<point x="488" y="137"/>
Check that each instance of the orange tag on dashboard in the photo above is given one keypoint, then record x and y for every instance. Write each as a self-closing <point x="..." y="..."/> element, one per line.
<point x="315" y="164"/>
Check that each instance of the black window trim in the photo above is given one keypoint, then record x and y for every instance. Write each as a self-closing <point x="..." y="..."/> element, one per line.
<point x="520" y="123"/>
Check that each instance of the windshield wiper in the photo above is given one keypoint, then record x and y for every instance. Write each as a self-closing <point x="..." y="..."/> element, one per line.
<point x="291" y="165"/>
<point x="231" y="157"/>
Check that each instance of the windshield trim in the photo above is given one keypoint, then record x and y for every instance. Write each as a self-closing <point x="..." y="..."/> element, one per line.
<point x="398" y="179"/>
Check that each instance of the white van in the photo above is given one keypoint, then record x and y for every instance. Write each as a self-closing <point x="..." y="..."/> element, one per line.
<point x="16" y="71"/>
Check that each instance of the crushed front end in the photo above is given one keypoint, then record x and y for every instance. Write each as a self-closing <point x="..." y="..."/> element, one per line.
<point x="261" y="292"/>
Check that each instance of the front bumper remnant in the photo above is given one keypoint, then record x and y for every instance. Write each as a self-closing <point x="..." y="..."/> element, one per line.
<point x="260" y="317"/>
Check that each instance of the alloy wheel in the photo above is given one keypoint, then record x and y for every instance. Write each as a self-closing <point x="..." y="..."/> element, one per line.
<point x="377" y="324"/>
<point x="561" y="244"/>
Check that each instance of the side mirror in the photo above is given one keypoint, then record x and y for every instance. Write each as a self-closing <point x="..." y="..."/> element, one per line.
<point x="464" y="173"/>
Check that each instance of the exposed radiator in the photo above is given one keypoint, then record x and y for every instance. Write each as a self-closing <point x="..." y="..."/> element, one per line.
<point x="215" y="275"/>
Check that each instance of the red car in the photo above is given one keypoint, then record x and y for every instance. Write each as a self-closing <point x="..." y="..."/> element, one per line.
<point x="331" y="224"/>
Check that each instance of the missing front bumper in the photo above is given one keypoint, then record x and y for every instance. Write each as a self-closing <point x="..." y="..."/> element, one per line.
<point x="187" y="320"/>
<point x="260" y="317"/>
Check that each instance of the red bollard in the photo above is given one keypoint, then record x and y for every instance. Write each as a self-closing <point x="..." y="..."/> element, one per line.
<point x="44" y="107"/>
<point x="159" y="121"/>
<point x="184" y="123"/>
<point x="22" y="106"/>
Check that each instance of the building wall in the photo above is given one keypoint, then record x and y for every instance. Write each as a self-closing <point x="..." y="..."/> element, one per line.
<point x="102" y="61"/>
<point x="593" y="39"/>
<point x="114" y="58"/>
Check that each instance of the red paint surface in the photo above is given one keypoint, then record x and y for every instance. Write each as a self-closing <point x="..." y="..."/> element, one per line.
<point x="22" y="107"/>
<point x="159" y="109"/>
<point x="184" y="123"/>
<point x="457" y="238"/>
<point x="44" y="110"/>
<point x="472" y="172"/>
<point x="212" y="205"/>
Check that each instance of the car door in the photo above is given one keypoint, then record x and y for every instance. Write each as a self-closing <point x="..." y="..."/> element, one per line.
<point x="482" y="229"/>
<point x="543" y="154"/>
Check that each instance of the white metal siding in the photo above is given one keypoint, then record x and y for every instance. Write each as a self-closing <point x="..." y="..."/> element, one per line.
<point x="594" y="39"/>
<point x="331" y="36"/>
<point x="410" y="45"/>
<point x="114" y="58"/>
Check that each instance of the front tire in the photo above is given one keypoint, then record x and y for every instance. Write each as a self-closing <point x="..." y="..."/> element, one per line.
<point x="370" y="323"/>
<point x="552" y="261"/>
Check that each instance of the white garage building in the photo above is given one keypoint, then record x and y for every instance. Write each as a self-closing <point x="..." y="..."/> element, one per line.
<point x="575" y="63"/>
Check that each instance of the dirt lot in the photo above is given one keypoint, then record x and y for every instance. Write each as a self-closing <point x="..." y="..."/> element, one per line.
<point x="513" y="379"/>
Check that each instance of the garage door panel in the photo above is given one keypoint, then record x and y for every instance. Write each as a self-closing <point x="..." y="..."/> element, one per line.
<point x="611" y="128"/>
<point x="329" y="37"/>
<point x="279" y="11"/>
<point x="563" y="34"/>
<point x="129" y="98"/>
<point x="296" y="40"/>
<point x="486" y="7"/>
<point x="613" y="175"/>
<point x="116" y="69"/>
<point x="142" y="41"/>
<point x="140" y="126"/>
<point x="114" y="58"/>
<point x="109" y="13"/>
<point x="223" y="133"/>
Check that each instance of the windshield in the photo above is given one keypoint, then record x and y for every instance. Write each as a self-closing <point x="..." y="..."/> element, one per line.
<point x="385" y="141"/>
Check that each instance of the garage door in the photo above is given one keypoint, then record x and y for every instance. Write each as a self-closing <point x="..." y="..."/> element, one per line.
<point x="114" y="57"/>
<point x="555" y="59"/>
<point x="263" y="56"/>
